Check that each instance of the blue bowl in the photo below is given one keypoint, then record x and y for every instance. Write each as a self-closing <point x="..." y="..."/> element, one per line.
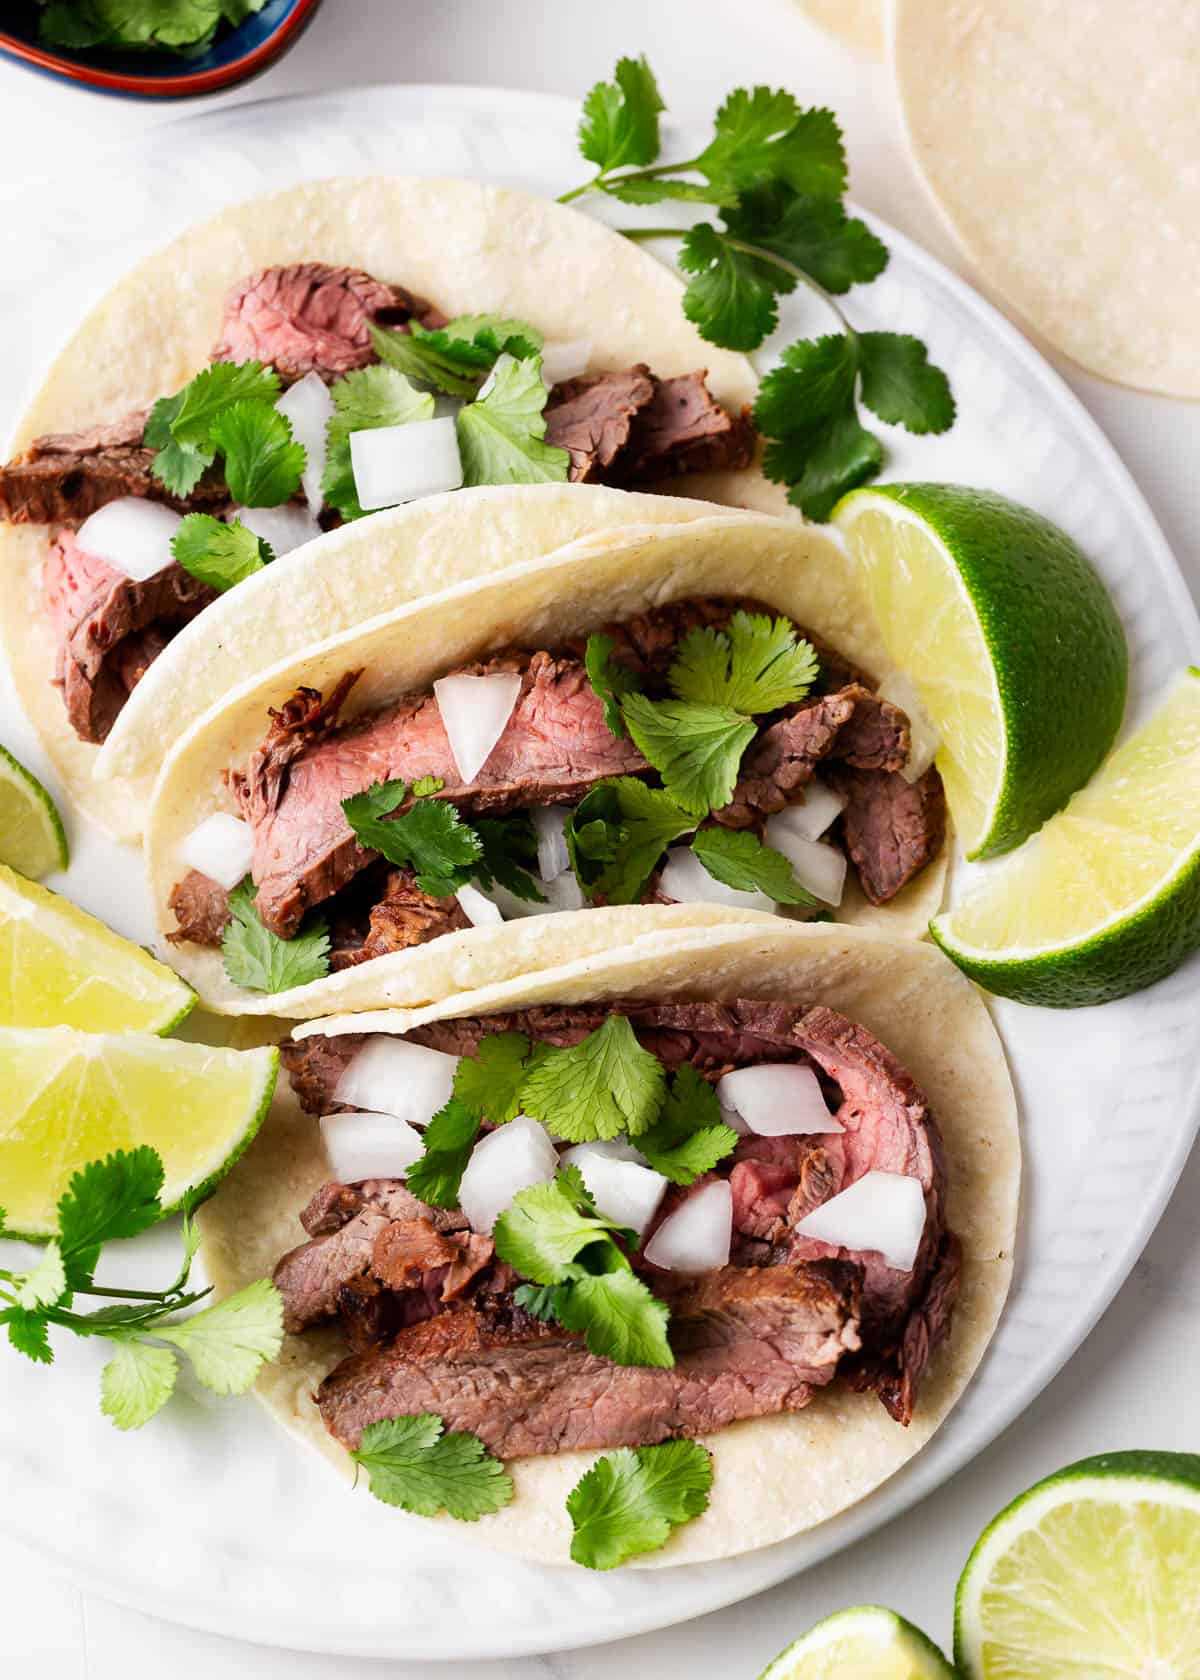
<point x="236" y="55"/>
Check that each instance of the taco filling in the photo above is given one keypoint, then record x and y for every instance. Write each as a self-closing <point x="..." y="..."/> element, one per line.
<point x="242" y="454"/>
<point x="556" y="779"/>
<point x="757" y="1209"/>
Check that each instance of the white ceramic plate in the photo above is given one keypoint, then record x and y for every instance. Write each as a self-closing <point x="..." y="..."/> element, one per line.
<point x="209" y="1516"/>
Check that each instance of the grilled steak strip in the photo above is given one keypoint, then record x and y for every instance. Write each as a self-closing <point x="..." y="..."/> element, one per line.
<point x="200" y="906"/>
<point x="633" y="428"/>
<point x="891" y="828"/>
<point x="748" y="1343"/>
<point x="590" y="417"/>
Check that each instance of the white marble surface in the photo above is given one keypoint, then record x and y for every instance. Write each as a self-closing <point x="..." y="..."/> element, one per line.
<point x="1131" y="1383"/>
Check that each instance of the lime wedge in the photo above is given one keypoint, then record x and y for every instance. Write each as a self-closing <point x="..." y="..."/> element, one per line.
<point x="1091" y="1573"/>
<point x="31" y="831"/>
<point x="61" y="967"/>
<point x="1016" y="650"/>
<point x="72" y="1097"/>
<point x="1106" y="899"/>
<point x="861" y="1644"/>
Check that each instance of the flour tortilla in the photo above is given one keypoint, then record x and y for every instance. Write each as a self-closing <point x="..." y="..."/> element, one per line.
<point x="775" y="1477"/>
<point x="1060" y="144"/>
<point x="612" y="575"/>
<point x="468" y="247"/>
<point x="857" y="22"/>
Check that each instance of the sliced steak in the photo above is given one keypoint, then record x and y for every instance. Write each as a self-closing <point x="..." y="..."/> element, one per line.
<point x="554" y="747"/>
<point x="310" y="317"/>
<point x="65" y="476"/>
<point x="783" y="758"/>
<point x="748" y="1343"/>
<point x="894" y="1370"/>
<point x="684" y="429"/>
<point x="314" y="1066"/>
<point x="590" y="418"/>
<point x="404" y="916"/>
<point x="101" y="618"/>
<point x="876" y="736"/>
<point x="200" y="906"/>
<point x="891" y="828"/>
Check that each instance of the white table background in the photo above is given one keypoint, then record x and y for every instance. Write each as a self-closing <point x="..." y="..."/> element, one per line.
<point x="1134" y="1381"/>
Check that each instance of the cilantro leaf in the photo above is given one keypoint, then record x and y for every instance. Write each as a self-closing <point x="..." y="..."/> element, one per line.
<point x="138" y="1381"/>
<point x="756" y="664"/>
<point x="500" y="434"/>
<point x="449" y="1139"/>
<point x="411" y="1463"/>
<point x="901" y="385"/>
<point x="228" y="1343"/>
<point x="814" y="380"/>
<point x="136" y="23"/>
<point x="425" y="785"/>
<point x="46" y="1284"/>
<point x="619" y="125"/>
<point x="599" y="1088"/>
<point x="219" y="554"/>
<point x="509" y="855"/>
<point x="619" y="1317"/>
<point x="837" y="250"/>
<point x="363" y="400"/>
<point x="695" y="748"/>
<point x="456" y="358"/>
<point x="72" y="23"/>
<point x="539" y="1300"/>
<point x="617" y="834"/>
<point x="106" y="1200"/>
<point x="180" y="427"/>
<point x="263" y="461"/>
<point x="739" y="859"/>
<point x="822" y="463"/>
<point x="689" y="1137"/>
<point x="262" y="962"/>
<point x="731" y="296"/>
<point x="610" y="679"/>
<point x="762" y="135"/>
<point x="489" y="1082"/>
<point x="29" y="1334"/>
<point x="630" y="1500"/>
<point x="547" y="1227"/>
<point x="430" y="838"/>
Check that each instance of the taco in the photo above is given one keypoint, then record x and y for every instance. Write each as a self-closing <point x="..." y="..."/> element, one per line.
<point x="811" y="1355"/>
<point x="681" y="716"/>
<point x="299" y="293"/>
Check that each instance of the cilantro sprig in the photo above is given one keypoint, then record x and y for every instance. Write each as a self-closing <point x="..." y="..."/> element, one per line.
<point x="411" y="1462"/>
<point x="456" y="358"/>
<point x="363" y="400"/>
<point x="443" y="851"/>
<point x="228" y="409"/>
<point x="108" y="1201"/>
<point x="631" y="1500"/>
<point x="262" y="962"/>
<point x="501" y="434"/>
<point x="775" y="173"/>
<point x="217" y="553"/>
<point x="689" y="1137"/>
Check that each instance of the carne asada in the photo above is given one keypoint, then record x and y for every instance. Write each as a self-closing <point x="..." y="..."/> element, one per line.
<point x="438" y="1321"/>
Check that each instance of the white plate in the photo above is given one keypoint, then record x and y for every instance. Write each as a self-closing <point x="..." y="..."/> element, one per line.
<point x="209" y="1516"/>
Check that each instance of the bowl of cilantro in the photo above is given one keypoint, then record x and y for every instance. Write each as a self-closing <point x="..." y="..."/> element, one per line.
<point x="139" y="49"/>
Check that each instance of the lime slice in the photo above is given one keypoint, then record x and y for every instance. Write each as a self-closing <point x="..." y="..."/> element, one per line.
<point x="861" y="1644"/>
<point x="1015" y="648"/>
<point x="1106" y="899"/>
<point x="72" y="1097"/>
<point x="1091" y="1573"/>
<point x="61" y="967"/>
<point x="31" y="831"/>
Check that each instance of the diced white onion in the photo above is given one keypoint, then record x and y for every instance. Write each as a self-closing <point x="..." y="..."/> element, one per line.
<point x="477" y="907"/>
<point x="819" y="868"/>
<point x="364" y="1145"/>
<point x="132" y="534"/>
<point x="563" y="893"/>
<point x="623" y="1191"/>
<point x="731" y="1118"/>
<point x="505" y="1162"/>
<point x="925" y="737"/>
<point x="881" y="1211"/>
<point x="818" y="808"/>
<point x="777" y="1099"/>
<point x="475" y="711"/>
<point x="285" y="528"/>
<point x="613" y="1149"/>
<point x="549" y="823"/>
<point x="696" y="1237"/>
<point x="220" y="847"/>
<point x="391" y="1076"/>
<point x="685" y="879"/>
<point x="402" y="463"/>
<point x="566" y="359"/>
<point x="308" y="407"/>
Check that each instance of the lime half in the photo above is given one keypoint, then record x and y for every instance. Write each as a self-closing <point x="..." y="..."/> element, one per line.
<point x="1106" y="899"/>
<point x="861" y="1644"/>
<point x="1093" y="1573"/>
<point x="61" y="967"/>
<point x="1016" y="650"/>
<point x="32" y="838"/>
<point x="72" y="1097"/>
